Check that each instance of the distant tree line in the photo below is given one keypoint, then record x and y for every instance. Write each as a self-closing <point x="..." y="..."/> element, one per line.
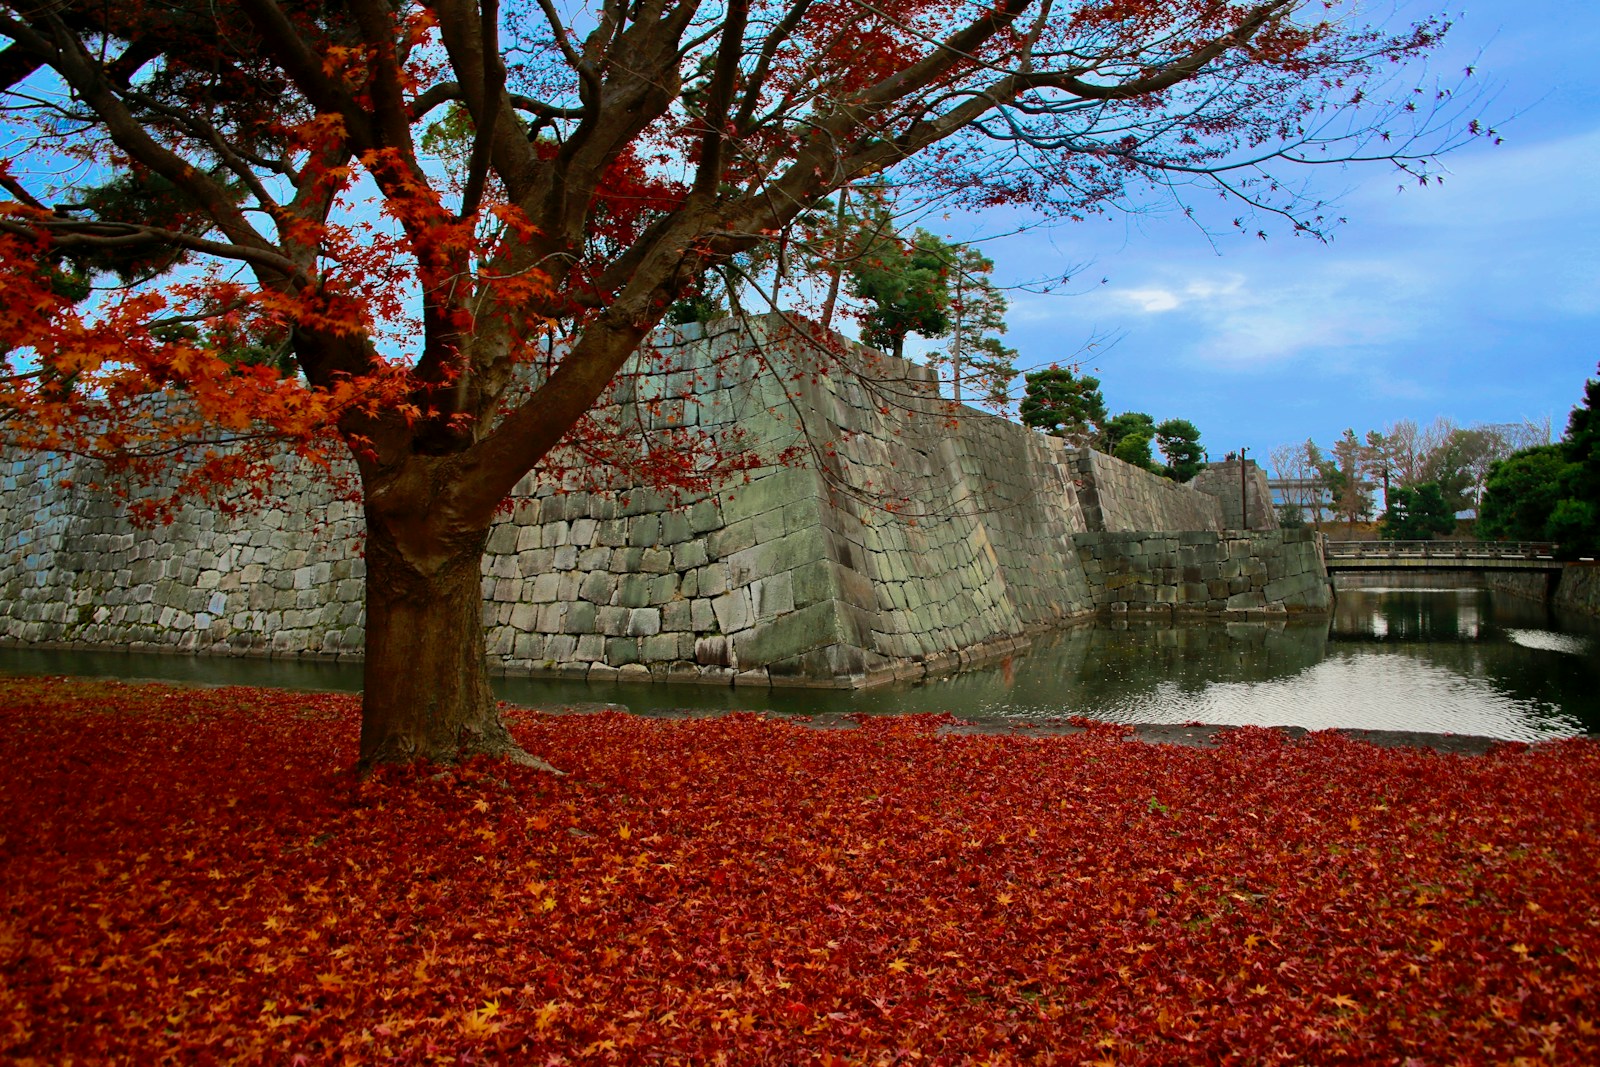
<point x="1426" y="475"/>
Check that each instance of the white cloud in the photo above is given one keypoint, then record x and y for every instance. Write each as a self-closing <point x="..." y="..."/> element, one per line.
<point x="1414" y="277"/>
<point x="1149" y="300"/>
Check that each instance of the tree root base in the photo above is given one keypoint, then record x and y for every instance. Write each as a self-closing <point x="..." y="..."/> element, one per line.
<point x="523" y="758"/>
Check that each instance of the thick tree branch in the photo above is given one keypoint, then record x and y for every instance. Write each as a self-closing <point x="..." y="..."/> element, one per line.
<point x="729" y="52"/>
<point x="74" y="233"/>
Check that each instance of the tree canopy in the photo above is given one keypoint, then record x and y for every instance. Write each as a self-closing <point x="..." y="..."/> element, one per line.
<point x="1059" y="402"/>
<point x="1551" y="492"/>
<point x="1128" y="437"/>
<point x="1417" y="513"/>
<point x="261" y="174"/>
<point x="1179" y="441"/>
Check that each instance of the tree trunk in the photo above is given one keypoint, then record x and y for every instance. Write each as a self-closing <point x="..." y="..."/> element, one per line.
<point x="426" y="692"/>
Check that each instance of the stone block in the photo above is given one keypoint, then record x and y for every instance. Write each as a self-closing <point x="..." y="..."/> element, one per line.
<point x="597" y="587"/>
<point x="772" y="596"/>
<point x="713" y="652"/>
<point x="644" y="622"/>
<point x="677" y="617"/>
<point x="646" y="531"/>
<point x="656" y="561"/>
<point x="733" y="538"/>
<point x="503" y="538"/>
<point x="1247" y="600"/>
<point x="545" y="588"/>
<point x="759" y="497"/>
<point x="689" y="554"/>
<point x="633" y="591"/>
<point x="674" y="528"/>
<point x="713" y="579"/>
<point x="704" y="516"/>
<point x="579" y="618"/>
<point x="789" y="636"/>
<point x="663" y="588"/>
<point x="733" y="611"/>
<point x="659" y="648"/>
<point x="621" y="651"/>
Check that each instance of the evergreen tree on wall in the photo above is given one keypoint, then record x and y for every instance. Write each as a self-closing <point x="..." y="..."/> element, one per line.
<point x="1179" y="441"/>
<point x="1060" y="403"/>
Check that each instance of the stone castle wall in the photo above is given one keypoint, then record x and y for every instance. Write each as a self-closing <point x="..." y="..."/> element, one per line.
<point x="1529" y="585"/>
<point x="1579" y="588"/>
<point x="901" y="541"/>
<point x="1222" y="481"/>
<point x="1260" y="572"/>
<point x="1119" y="497"/>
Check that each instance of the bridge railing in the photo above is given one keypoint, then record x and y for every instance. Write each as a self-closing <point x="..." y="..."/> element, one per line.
<point x="1439" y="550"/>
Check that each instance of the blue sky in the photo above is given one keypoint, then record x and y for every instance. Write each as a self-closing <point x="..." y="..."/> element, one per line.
<point x="1478" y="300"/>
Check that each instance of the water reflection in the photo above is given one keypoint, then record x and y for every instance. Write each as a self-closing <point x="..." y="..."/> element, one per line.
<point x="1439" y="659"/>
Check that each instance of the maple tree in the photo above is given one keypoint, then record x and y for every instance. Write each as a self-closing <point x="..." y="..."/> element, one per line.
<point x="752" y="891"/>
<point x="281" y="259"/>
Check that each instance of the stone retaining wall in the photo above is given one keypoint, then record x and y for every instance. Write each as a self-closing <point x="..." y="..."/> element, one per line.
<point x="1222" y="481"/>
<point x="901" y="541"/>
<point x="1118" y="497"/>
<point x="1260" y="572"/>
<point x="1579" y="588"/>
<point x="1530" y="585"/>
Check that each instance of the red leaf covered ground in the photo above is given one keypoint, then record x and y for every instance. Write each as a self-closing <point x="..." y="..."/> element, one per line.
<point x="195" y="876"/>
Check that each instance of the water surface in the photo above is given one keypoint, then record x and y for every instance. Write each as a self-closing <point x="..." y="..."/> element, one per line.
<point x="1437" y="658"/>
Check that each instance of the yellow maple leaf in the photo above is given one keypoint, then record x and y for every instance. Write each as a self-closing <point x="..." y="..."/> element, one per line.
<point x="546" y="1015"/>
<point x="899" y="966"/>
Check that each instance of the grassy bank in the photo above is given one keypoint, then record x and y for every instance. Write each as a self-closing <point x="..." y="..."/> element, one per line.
<point x="193" y="876"/>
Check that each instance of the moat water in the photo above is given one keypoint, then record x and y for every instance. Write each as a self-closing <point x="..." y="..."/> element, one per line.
<point x="1432" y="658"/>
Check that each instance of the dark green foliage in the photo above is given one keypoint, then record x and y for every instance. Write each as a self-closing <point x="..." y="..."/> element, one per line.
<point x="140" y="198"/>
<point x="1060" y="403"/>
<point x="1291" y="516"/>
<point x="1128" y="437"/>
<point x="1582" y="446"/>
<point x="1552" y="492"/>
<point x="981" y="366"/>
<point x="701" y="307"/>
<point x="1135" y="448"/>
<point x="1575" y="525"/>
<point x="1523" y="491"/>
<point x="906" y="285"/>
<point x="1179" y="441"/>
<point x="1417" y="513"/>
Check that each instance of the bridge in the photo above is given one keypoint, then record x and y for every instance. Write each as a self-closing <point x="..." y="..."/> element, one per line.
<point x="1440" y="555"/>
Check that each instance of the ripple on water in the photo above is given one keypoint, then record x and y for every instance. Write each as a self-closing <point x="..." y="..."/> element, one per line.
<point x="1550" y="641"/>
<point x="1361" y="692"/>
